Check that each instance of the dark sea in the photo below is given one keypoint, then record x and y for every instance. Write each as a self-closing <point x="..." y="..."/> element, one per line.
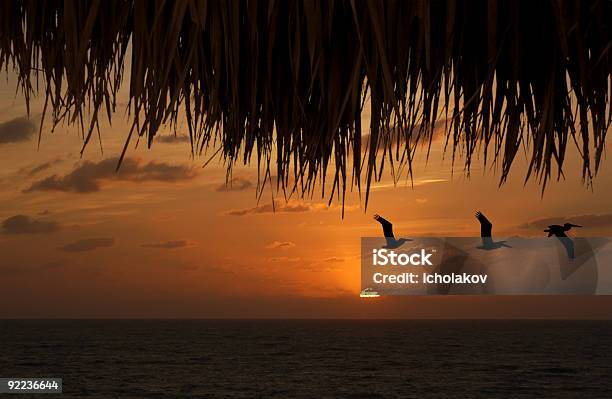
<point x="312" y="359"/>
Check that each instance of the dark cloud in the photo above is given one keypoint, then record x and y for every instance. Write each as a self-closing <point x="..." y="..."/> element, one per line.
<point x="169" y="244"/>
<point x="281" y="245"/>
<point x="592" y="221"/>
<point x="16" y="130"/>
<point x="172" y="139"/>
<point x="236" y="184"/>
<point x="40" y="168"/>
<point x="88" y="244"/>
<point x="34" y="170"/>
<point x="278" y="206"/>
<point x="22" y="224"/>
<point x="90" y="176"/>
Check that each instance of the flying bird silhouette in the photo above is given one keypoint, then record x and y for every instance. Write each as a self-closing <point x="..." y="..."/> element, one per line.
<point x="485" y="232"/>
<point x="392" y="242"/>
<point x="559" y="232"/>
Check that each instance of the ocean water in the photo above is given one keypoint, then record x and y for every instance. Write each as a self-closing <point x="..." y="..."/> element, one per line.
<point x="312" y="359"/>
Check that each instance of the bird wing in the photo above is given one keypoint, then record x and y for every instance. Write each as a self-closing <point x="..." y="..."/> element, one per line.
<point x="386" y="225"/>
<point x="485" y="226"/>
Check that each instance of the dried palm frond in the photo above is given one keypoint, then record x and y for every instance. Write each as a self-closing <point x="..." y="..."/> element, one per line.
<point x="292" y="77"/>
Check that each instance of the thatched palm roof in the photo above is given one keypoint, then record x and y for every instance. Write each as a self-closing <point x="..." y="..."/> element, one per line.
<point x="292" y="76"/>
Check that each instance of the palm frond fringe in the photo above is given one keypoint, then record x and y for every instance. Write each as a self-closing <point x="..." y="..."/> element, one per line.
<point x="288" y="80"/>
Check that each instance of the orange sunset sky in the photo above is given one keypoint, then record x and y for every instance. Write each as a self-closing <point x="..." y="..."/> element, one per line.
<point x="166" y="238"/>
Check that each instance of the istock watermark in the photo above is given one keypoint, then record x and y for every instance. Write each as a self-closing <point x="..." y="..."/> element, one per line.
<point x="464" y="266"/>
<point x="383" y="257"/>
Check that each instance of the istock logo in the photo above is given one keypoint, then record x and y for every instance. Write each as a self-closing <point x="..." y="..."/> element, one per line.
<point x="384" y="257"/>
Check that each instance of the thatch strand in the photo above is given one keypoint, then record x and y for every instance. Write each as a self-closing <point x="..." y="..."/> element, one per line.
<point x="293" y="76"/>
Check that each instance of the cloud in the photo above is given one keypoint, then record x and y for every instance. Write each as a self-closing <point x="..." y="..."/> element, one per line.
<point x="324" y="265"/>
<point x="89" y="177"/>
<point x="277" y="206"/>
<point x="16" y="130"/>
<point x="291" y="206"/>
<point x="413" y="183"/>
<point x="88" y="244"/>
<point x="333" y="259"/>
<point x="172" y="139"/>
<point x="592" y="221"/>
<point x="170" y="244"/>
<point x="34" y="170"/>
<point x="320" y="269"/>
<point x="22" y="224"/>
<point x="283" y="259"/>
<point x="236" y="184"/>
<point x="281" y="245"/>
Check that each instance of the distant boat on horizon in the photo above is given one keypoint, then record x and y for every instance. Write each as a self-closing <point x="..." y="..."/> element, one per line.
<point x="369" y="293"/>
